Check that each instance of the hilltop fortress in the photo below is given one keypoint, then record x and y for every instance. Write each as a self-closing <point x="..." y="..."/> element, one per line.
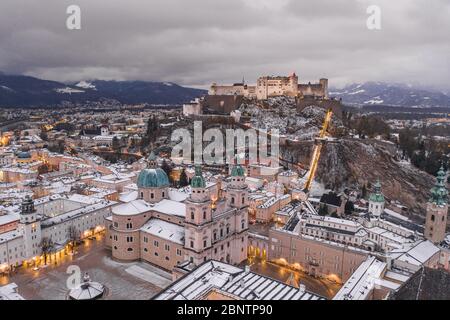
<point x="273" y="86"/>
<point x="224" y="99"/>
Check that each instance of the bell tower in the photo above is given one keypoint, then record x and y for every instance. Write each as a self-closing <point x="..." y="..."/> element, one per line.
<point x="376" y="200"/>
<point x="198" y="220"/>
<point x="437" y="208"/>
<point x="30" y="226"/>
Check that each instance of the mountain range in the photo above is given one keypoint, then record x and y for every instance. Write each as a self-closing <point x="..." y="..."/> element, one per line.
<point x="26" y="91"/>
<point x="387" y="94"/>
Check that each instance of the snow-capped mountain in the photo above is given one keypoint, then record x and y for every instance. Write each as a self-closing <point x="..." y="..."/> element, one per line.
<point x="85" y="85"/>
<point x="380" y="93"/>
<point x="25" y="91"/>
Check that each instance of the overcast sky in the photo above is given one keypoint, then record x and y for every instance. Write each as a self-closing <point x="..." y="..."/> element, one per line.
<point x="196" y="42"/>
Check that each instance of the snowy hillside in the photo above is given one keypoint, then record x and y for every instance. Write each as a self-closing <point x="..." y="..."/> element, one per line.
<point x="380" y="93"/>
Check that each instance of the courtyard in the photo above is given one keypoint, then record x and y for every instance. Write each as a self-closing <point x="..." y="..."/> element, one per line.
<point x="286" y="275"/>
<point x="124" y="281"/>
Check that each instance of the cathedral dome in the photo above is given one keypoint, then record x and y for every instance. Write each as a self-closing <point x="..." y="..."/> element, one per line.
<point x="152" y="178"/>
<point x="24" y="155"/>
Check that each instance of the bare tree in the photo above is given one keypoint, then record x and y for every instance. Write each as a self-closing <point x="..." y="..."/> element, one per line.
<point x="47" y="247"/>
<point x="73" y="236"/>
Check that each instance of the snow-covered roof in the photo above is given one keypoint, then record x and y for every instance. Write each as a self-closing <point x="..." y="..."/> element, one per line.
<point x="165" y="230"/>
<point x="8" y="218"/>
<point x="235" y="283"/>
<point x="128" y="196"/>
<point x="9" y="292"/>
<point x="417" y="253"/>
<point x="171" y="207"/>
<point x="362" y="281"/>
<point x="132" y="208"/>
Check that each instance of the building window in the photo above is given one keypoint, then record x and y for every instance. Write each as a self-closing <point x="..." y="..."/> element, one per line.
<point x="130" y="249"/>
<point x="152" y="195"/>
<point x="192" y="216"/>
<point x="243" y="200"/>
<point x="432" y="217"/>
<point x="205" y="244"/>
<point x="155" y="243"/>
<point x="129" y="225"/>
<point x="232" y="200"/>
<point x="115" y="237"/>
<point x="142" y="195"/>
<point x="145" y="250"/>
<point x="166" y="247"/>
<point x="129" y="239"/>
<point x="145" y="240"/>
<point x="204" y="215"/>
<point x="178" y="252"/>
<point x="163" y="194"/>
<point x="192" y="244"/>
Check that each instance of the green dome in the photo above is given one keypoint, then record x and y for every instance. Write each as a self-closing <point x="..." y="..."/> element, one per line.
<point x="152" y="178"/>
<point x="439" y="193"/>
<point x="198" y="181"/>
<point x="237" y="171"/>
<point x="24" y="155"/>
<point x="376" y="196"/>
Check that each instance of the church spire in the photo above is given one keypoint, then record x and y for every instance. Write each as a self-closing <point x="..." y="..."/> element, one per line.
<point x="439" y="193"/>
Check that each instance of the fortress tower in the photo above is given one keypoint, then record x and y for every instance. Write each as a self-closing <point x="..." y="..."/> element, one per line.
<point x="437" y="208"/>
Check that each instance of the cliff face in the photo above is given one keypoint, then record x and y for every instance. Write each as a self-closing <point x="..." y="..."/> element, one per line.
<point x="353" y="163"/>
<point x="347" y="162"/>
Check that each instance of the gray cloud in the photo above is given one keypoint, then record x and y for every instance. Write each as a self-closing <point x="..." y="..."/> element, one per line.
<point x="196" y="42"/>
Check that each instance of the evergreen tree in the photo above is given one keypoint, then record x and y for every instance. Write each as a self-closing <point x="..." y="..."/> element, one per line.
<point x="364" y="191"/>
<point x="183" y="179"/>
<point x="167" y="169"/>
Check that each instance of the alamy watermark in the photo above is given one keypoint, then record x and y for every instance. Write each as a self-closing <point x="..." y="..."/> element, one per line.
<point x="226" y="146"/>
<point x="373" y="22"/>
<point x="73" y="21"/>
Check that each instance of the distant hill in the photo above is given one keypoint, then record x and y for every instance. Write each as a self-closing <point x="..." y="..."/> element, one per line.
<point x="25" y="91"/>
<point x="380" y="93"/>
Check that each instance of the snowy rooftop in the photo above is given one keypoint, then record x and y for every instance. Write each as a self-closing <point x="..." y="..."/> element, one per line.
<point x="362" y="281"/>
<point x="132" y="208"/>
<point x="171" y="207"/>
<point x="138" y="206"/>
<point x="8" y="218"/>
<point x="77" y="213"/>
<point x="233" y="282"/>
<point x="9" y="292"/>
<point x="11" y="235"/>
<point x="417" y="253"/>
<point x="164" y="230"/>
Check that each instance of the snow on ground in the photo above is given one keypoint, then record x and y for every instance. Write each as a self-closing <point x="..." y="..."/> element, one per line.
<point x="68" y="90"/>
<point x="6" y="88"/>
<point x="149" y="276"/>
<point x="85" y="85"/>
<point x="374" y="101"/>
